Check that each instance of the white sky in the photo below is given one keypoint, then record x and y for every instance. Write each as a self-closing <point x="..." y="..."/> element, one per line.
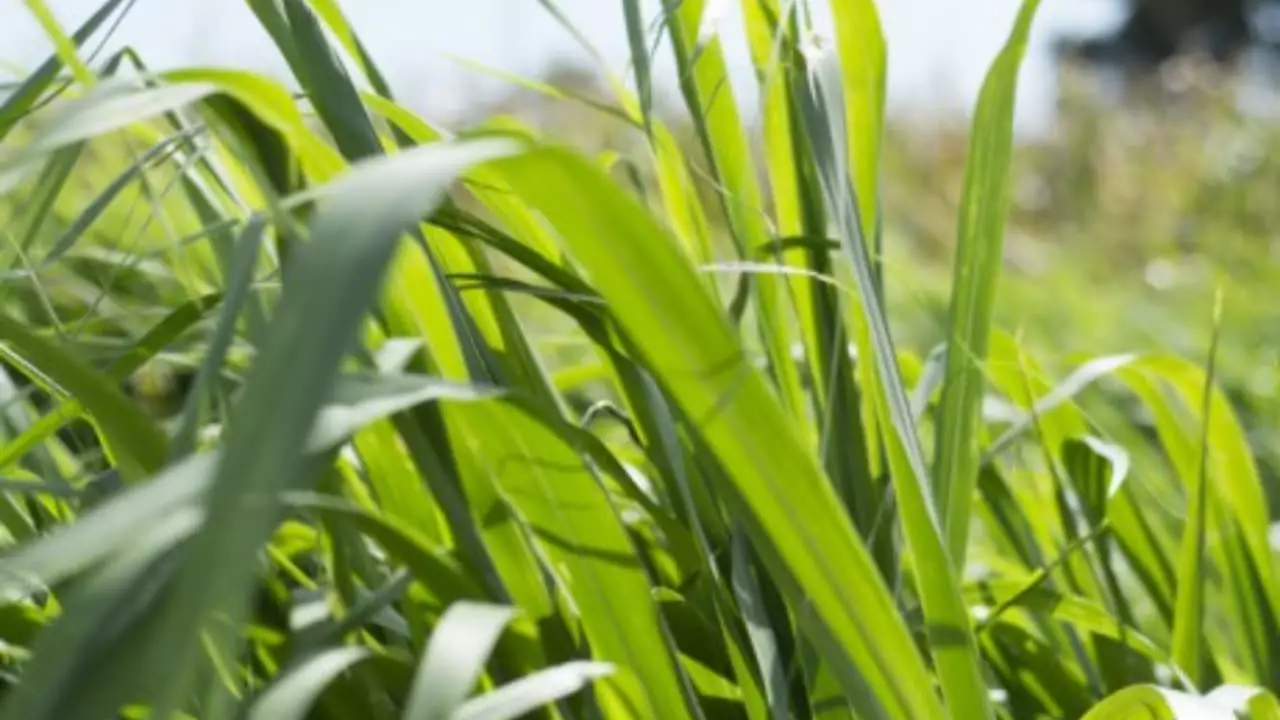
<point x="939" y="50"/>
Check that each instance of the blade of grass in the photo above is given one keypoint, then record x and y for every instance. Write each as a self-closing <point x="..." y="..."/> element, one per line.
<point x="518" y="698"/>
<point x="953" y="645"/>
<point x="454" y="659"/>
<point x="24" y="98"/>
<point x="687" y="341"/>
<point x="704" y="82"/>
<point x="979" y="258"/>
<point x="64" y="47"/>
<point x="1188" y="618"/>
<point x="292" y="695"/>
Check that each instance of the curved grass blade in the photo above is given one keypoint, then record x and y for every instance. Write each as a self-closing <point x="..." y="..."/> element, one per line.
<point x="517" y="699"/>
<point x="1064" y="392"/>
<point x="1149" y="702"/>
<point x="360" y="399"/>
<point x="77" y="670"/>
<point x="1001" y="596"/>
<point x="708" y="94"/>
<point x="107" y="107"/>
<point x="292" y="695"/>
<point x="455" y="657"/>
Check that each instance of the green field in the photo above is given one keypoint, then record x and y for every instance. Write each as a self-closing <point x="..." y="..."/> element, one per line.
<point x="595" y="408"/>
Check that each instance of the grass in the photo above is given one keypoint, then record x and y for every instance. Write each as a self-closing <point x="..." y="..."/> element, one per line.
<point x="737" y="484"/>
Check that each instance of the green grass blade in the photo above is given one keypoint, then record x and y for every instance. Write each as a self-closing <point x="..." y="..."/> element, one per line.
<point x="640" y="61"/>
<point x="764" y="640"/>
<point x="50" y="185"/>
<point x="522" y="696"/>
<point x="73" y="670"/>
<point x="25" y="97"/>
<point x="687" y="342"/>
<point x="455" y="659"/>
<point x="861" y="47"/>
<point x="979" y="258"/>
<point x="360" y="399"/>
<point x="64" y="47"/>
<point x="439" y="574"/>
<point x="94" y="537"/>
<point x="291" y="697"/>
<point x="1188" y="618"/>
<point x="336" y="278"/>
<point x="245" y="255"/>
<point x="107" y="108"/>
<point x="1149" y="702"/>
<point x="709" y="96"/>
<point x="155" y="155"/>
<point x="588" y="552"/>
<point x="1242" y="593"/>
<point x="952" y="641"/>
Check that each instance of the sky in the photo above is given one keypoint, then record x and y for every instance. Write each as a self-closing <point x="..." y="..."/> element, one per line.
<point x="939" y="50"/>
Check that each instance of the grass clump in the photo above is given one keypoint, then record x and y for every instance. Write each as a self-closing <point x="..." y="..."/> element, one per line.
<point x="728" y="489"/>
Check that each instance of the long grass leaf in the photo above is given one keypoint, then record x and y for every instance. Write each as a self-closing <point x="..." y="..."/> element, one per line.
<point x="1188" y="616"/>
<point x="979" y="257"/>
<point x="687" y="342"/>
<point x="952" y="641"/>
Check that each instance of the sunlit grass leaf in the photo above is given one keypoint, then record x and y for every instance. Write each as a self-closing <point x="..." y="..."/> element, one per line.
<point x="1188" y="619"/>
<point x="980" y="254"/>
<point x="953" y="645"/>
<point x="576" y="526"/>
<point x="687" y="342"/>
<point x="1149" y="702"/>
<point x="22" y="100"/>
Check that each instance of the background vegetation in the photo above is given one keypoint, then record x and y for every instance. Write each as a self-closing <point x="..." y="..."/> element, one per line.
<point x="601" y="408"/>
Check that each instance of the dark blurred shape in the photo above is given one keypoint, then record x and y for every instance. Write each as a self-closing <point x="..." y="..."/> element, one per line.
<point x="1155" y="31"/>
